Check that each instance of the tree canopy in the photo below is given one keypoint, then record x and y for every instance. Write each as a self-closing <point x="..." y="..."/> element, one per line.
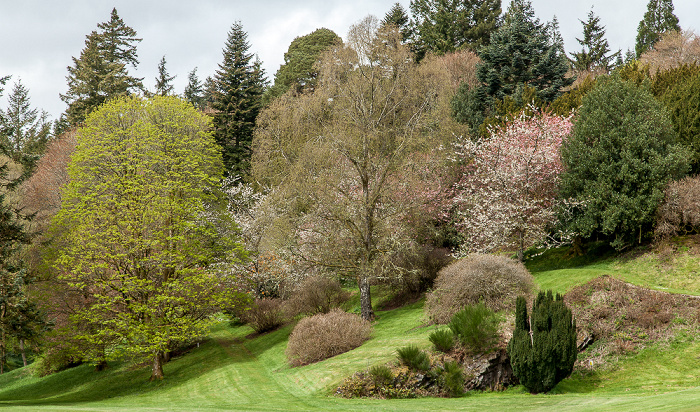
<point x="658" y="19"/>
<point x="594" y="54"/>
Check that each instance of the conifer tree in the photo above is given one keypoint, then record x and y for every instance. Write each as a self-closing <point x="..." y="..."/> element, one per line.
<point x="238" y="88"/>
<point x="398" y="17"/>
<point x="595" y="52"/>
<point x="100" y="72"/>
<point x="658" y="19"/>
<point x="194" y="91"/>
<point x="164" y="86"/>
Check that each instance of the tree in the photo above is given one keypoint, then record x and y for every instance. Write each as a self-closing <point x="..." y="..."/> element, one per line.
<point x="658" y="19"/>
<point x="342" y="161"/>
<point x="194" y="91"/>
<point x="447" y="25"/>
<point x="594" y="54"/>
<point x="299" y="70"/>
<point x="674" y="48"/>
<point x="543" y="351"/>
<point x="507" y="194"/>
<point x="238" y="87"/>
<point x="397" y="17"/>
<point x="138" y="225"/>
<point x="618" y="160"/>
<point x="164" y="86"/>
<point x="25" y="131"/>
<point x="100" y="72"/>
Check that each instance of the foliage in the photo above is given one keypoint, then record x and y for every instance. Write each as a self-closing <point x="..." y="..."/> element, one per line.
<point x="618" y="159"/>
<point x="444" y="26"/>
<point x="476" y="328"/>
<point x="326" y="335"/>
<point x="442" y="339"/>
<point x="658" y="19"/>
<point x="495" y="280"/>
<point x="237" y="91"/>
<point x="674" y="48"/>
<point x="317" y="294"/>
<point x="414" y="358"/>
<point x="595" y="52"/>
<point x="263" y="315"/>
<point x="506" y="197"/>
<point x="138" y="228"/>
<point x="543" y="351"/>
<point x="571" y="100"/>
<point x="194" y="91"/>
<point x="100" y="73"/>
<point x="398" y="17"/>
<point x="381" y="374"/>
<point x="679" y="212"/>
<point x="452" y="379"/>
<point x="164" y="80"/>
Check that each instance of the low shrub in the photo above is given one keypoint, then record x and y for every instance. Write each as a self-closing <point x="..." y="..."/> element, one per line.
<point x="381" y="375"/>
<point x="414" y="358"/>
<point x="316" y="294"/>
<point x="264" y="315"/>
<point x="452" y="379"/>
<point x="325" y="335"/>
<point x="476" y="327"/>
<point x="443" y="340"/>
<point x="495" y="280"/>
<point x="679" y="213"/>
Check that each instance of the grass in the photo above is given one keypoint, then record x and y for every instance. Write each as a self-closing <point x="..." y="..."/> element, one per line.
<point x="236" y="370"/>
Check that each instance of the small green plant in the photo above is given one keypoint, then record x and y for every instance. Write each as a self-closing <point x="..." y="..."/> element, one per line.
<point x="476" y="327"/>
<point x="381" y="375"/>
<point x="443" y="340"/>
<point x="453" y="379"/>
<point x="414" y="358"/>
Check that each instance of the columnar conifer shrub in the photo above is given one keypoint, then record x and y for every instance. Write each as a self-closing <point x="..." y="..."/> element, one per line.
<point x="496" y="280"/>
<point x="325" y="335"/>
<point x="543" y="349"/>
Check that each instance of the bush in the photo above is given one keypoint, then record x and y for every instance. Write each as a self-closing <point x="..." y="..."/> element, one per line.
<point x="414" y="358"/>
<point x="325" y="335"/>
<point x="316" y="294"/>
<point x="452" y="379"/>
<point x="679" y="214"/>
<point x="476" y="327"/>
<point x="443" y="340"/>
<point x="381" y="375"/>
<point x="544" y="353"/>
<point x="495" y="280"/>
<point x="264" y="315"/>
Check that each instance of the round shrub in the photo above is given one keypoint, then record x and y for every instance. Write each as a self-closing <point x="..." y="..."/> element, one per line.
<point x="679" y="213"/>
<point x="316" y="294"/>
<point x="325" y="335"/>
<point x="414" y="358"/>
<point x="495" y="280"/>
<point x="442" y="339"/>
<point x="264" y="315"/>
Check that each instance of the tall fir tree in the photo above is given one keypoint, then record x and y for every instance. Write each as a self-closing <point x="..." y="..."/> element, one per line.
<point x="398" y="17"/>
<point x="100" y="72"/>
<point x="238" y="87"/>
<point x="194" y="91"/>
<point x="658" y="19"/>
<point x="164" y="80"/>
<point x="595" y="52"/>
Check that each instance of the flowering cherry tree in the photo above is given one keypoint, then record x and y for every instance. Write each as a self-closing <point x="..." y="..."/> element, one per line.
<point x="507" y="195"/>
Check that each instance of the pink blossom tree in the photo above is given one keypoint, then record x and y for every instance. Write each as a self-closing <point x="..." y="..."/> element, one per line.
<point x="506" y="198"/>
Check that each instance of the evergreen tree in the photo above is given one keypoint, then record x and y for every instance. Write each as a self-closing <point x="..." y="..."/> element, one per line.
<point x="238" y="87"/>
<point x="194" y="91"/>
<point x="100" y="72"/>
<point x="25" y="131"/>
<point x="164" y="79"/>
<point x="444" y="26"/>
<point x="595" y="52"/>
<point x="398" y="17"/>
<point x="658" y="19"/>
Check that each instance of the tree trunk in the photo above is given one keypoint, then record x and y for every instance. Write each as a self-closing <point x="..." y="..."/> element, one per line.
<point x="24" y="355"/>
<point x="101" y="365"/>
<point x="157" y="372"/>
<point x="365" y="300"/>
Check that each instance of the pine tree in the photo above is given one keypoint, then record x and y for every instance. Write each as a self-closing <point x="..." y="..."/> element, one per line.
<point x="164" y="79"/>
<point x="238" y="87"/>
<point x="194" y="91"/>
<point x="25" y="131"/>
<point x="658" y="19"/>
<point x="594" y="54"/>
<point x="100" y="72"/>
<point x="398" y="17"/>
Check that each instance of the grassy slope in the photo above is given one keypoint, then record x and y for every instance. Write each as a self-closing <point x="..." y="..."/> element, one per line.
<point x="233" y="372"/>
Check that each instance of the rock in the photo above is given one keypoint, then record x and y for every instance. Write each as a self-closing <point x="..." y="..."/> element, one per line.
<point x="490" y="371"/>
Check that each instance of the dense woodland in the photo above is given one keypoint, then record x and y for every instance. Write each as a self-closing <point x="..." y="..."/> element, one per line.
<point x="431" y="134"/>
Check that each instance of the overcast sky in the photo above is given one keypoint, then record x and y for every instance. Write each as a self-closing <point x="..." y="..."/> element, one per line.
<point x="39" y="37"/>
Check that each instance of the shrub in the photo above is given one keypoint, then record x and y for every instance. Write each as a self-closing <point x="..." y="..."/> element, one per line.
<point x="679" y="213"/>
<point x="316" y="294"/>
<point x="442" y="339"/>
<point x="476" y="327"/>
<point x="414" y="358"/>
<point x="452" y="379"/>
<point x="381" y="375"/>
<point x="325" y="335"/>
<point x="495" y="280"/>
<point x="264" y="315"/>
<point x="544" y="352"/>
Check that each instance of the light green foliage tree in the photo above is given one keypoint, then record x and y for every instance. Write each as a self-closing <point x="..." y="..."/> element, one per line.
<point x="621" y="154"/>
<point x="237" y="91"/>
<point x="299" y="70"/>
<point x="444" y="26"/>
<point x="164" y="80"/>
<point x="100" y="72"/>
<point x="658" y="19"/>
<point x="595" y="54"/>
<point x="139" y="226"/>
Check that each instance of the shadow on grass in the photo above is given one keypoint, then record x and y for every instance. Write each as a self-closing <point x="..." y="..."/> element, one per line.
<point x="561" y="257"/>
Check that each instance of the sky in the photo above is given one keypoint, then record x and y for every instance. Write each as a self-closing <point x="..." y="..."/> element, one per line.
<point x="38" y="38"/>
